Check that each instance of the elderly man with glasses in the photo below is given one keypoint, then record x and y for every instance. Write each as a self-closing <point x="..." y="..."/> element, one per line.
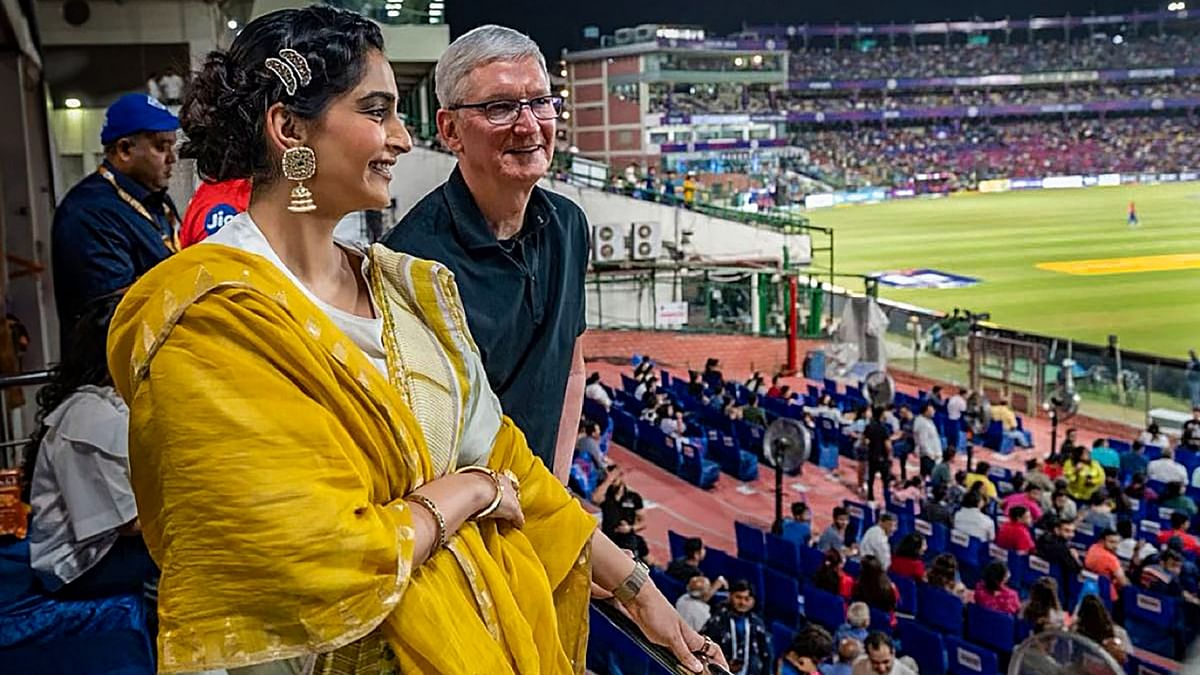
<point x="518" y="252"/>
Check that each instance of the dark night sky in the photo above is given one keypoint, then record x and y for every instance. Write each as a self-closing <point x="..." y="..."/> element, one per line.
<point x="557" y="23"/>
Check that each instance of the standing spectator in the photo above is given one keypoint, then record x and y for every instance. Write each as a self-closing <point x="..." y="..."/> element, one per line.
<point x="875" y="541"/>
<point x="1054" y="546"/>
<point x="1165" y="469"/>
<point x="118" y="222"/>
<point x="519" y="253"/>
<point x="875" y="588"/>
<point x="693" y="605"/>
<point x="1084" y="475"/>
<point x="1190" y="438"/>
<point x="689" y="190"/>
<point x="741" y="633"/>
<point x="956" y="405"/>
<point x="1102" y="559"/>
<point x="971" y="521"/>
<point x="809" y="648"/>
<point x="1067" y="447"/>
<point x="879" y="453"/>
<point x="212" y="205"/>
<point x="595" y="391"/>
<point x="1135" y="460"/>
<point x="831" y="577"/>
<point x="927" y="439"/>
<point x="880" y="658"/>
<point x="992" y="591"/>
<point x="1193" y="378"/>
<point x="1015" y="535"/>
<point x="909" y="561"/>
<point x="799" y="527"/>
<point x="834" y="536"/>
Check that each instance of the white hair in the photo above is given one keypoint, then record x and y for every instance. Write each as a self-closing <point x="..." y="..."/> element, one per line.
<point x="477" y="48"/>
<point x="858" y="615"/>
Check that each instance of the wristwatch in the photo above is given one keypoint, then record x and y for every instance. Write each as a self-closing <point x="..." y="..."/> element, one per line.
<point x="627" y="590"/>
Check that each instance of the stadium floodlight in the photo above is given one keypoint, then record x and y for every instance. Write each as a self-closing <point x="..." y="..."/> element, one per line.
<point x="73" y="103"/>
<point x="739" y="62"/>
<point x="757" y="59"/>
<point x="393" y="13"/>
<point x="232" y="24"/>
<point x="1176" y="6"/>
<point x="1118" y="39"/>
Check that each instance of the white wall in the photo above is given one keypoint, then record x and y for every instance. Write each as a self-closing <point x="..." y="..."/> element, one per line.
<point x="195" y="22"/>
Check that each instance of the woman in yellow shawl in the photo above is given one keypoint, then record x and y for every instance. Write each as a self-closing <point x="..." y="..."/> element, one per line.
<point x="322" y="473"/>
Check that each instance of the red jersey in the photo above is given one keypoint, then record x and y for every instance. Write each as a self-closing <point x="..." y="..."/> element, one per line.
<point x="211" y="207"/>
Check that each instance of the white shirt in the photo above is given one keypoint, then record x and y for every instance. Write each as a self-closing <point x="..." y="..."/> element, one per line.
<point x="875" y="542"/>
<point x="955" y="407"/>
<point x="482" y="416"/>
<point x="597" y="393"/>
<point x="862" y="666"/>
<point x="1127" y="546"/>
<point x="1167" y="470"/>
<point x="80" y="493"/>
<point x="671" y="427"/>
<point x="694" y="611"/>
<point x="974" y="523"/>
<point x="1160" y="440"/>
<point x="926" y="438"/>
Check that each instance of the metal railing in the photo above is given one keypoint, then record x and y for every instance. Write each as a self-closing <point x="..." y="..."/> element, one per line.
<point x="12" y="449"/>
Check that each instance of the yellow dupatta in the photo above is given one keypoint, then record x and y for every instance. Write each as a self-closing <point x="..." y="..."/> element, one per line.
<point x="269" y="459"/>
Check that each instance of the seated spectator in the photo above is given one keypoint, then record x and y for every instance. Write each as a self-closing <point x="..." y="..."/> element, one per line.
<point x="596" y="391"/>
<point x="1054" y="546"/>
<point x="1174" y="498"/>
<point x="1166" y="470"/>
<point x="1131" y="548"/>
<point x="858" y="618"/>
<point x="943" y="575"/>
<point x="1178" y="530"/>
<point x="685" y="568"/>
<point x="834" y="536"/>
<point x="1135" y="460"/>
<point x="1067" y="449"/>
<point x="1015" y="535"/>
<point x="1120" y="503"/>
<point x="587" y="444"/>
<point x="1030" y="498"/>
<point x="775" y="391"/>
<point x="799" y="527"/>
<point x="1099" y="514"/>
<point x="980" y="475"/>
<point x="908" y="561"/>
<point x="1105" y="456"/>
<point x="626" y="537"/>
<point x="1137" y="489"/>
<point x="671" y="421"/>
<point x="1102" y="559"/>
<point x="911" y="490"/>
<point x="848" y="651"/>
<point x="85" y="541"/>
<point x="712" y="374"/>
<point x="992" y="591"/>
<point x="880" y="658"/>
<point x="1062" y="508"/>
<point x="1083" y="473"/>
<point x="619" y="502"/>
<point x="936" y="509"/>
<point x="1163" y="576"/>
<point x="695" y="386"/>
<point x="876" y="540"/>
<point x="1008" y="420"/>
<point x="943" y="472"/>
<point x="971" y="521"/>
<point x="1154" y="436"/>
<point x="1053" y="468"/>
<point x="753" y="414"/>
<point x="740" y="632"/>
<point x="1094" y="622"/>
<point x="1043" y="611"/>
<point x="809" y="649"/>
<point x="831" y="577"/>
<point x="875" y="588"/>
<point x="957" y="489"/>
<point x="693" y="606"/>
<point x="1035" y="475"/>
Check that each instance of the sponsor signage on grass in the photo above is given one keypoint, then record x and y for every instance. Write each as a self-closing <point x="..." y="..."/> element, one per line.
<point x="923" y="278"/>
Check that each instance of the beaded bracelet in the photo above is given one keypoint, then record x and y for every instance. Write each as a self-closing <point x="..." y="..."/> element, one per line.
<point x="490" y="508"/>
<point x="433" y="510"/>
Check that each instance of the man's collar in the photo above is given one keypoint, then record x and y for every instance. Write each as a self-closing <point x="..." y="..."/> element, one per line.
<point x="135" y="189"/>
<point x="470" y="222"/>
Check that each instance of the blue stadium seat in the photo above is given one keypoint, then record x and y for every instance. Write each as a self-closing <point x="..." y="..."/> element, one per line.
<point x="783" y="555"/>
<point x="862" y="517"/>
<point x="810" y="560"/>
<point x="925" y="646"/>
<point x="625" y="429"/>
<point x="750" y="437"/>
<point x="940" y="610"/>
<point x="736" y="568"/>
<point x="908" y="594"/>
<point x="1150" y="620"/>
<point x="991" y="629"/>
<point x="734" y="461"/>
<point x="996" y="439"/>
<point x="936" y="535"/>
<point x="826" y="438"/>
<point x="972" y="555"/>
<point x="751" y="544"/>
<point x="824" y="608"/>
<point x="716" y="563"/>
<point x="672" y="588"/>
<point x="1136" y="666"/>
<point x="880" y="620"/>
<point x="694" y="468"/>
<point x="675" y="541"/>
<point x="968" y="659"/>
<point x="781" y="594"/>
<point x="1036" y="568"/>
<point x="781" y="637"/>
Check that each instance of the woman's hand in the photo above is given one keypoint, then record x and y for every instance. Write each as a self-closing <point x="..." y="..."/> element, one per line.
<point x="509" y="510"/>
<point x="663" y="626"/>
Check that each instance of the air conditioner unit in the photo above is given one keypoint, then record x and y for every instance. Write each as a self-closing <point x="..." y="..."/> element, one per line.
<point x="647" y="241"/>
<point x="608" y="243"/>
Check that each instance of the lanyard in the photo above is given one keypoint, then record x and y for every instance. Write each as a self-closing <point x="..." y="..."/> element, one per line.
<point x="171" y="239"/>
<point x="745" y="645"/>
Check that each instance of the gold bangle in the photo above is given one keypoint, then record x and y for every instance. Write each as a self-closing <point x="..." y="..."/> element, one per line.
<point x="433" y="510"/>
<point x="495" y="504"/>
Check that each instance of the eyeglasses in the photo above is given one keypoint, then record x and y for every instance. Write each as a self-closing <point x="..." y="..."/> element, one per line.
<point x="506" y="111"/>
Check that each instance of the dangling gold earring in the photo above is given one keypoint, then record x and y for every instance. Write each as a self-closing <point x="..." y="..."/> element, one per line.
<point x="300" y="164"/>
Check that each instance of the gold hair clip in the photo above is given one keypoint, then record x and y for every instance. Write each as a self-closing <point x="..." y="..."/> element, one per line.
<point x="299" y="63"/>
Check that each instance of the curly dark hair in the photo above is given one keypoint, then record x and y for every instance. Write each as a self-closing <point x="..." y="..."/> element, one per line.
<point x="84" y="361"/>
<point x="223" y="107"/>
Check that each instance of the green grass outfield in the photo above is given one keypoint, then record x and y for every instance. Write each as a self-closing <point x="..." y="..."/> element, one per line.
<point x="999" y="238"/>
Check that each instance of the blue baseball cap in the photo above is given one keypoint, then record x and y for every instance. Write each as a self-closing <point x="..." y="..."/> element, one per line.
<point x="135" y="113"/>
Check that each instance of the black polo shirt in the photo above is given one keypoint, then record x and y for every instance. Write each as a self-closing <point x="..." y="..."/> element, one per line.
<point x="524" y="296"/>
<point x="99" y="243"/>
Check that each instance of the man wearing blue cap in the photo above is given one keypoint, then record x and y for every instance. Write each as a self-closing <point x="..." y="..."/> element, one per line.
<point x="118" y="222"/>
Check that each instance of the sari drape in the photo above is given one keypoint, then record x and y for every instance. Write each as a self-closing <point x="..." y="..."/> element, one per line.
<point x="270" y="459"/>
